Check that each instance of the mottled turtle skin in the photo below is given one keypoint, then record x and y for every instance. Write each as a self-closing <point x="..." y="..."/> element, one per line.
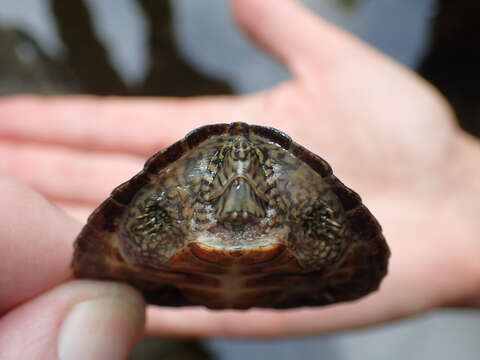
<point x="235" y="216"/>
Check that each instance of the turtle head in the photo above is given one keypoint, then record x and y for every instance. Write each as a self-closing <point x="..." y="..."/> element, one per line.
<point x="236" y="188"/>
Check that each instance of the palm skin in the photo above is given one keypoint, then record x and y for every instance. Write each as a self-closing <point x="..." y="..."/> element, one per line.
<point x="386" y="133"/>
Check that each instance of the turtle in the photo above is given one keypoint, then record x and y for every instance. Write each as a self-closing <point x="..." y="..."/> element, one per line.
<point x="235" y="216"/>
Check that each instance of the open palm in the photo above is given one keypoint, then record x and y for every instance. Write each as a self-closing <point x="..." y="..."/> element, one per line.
<point x="386" y="133"/>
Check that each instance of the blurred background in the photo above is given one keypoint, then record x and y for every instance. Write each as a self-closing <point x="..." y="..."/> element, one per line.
<point x="186" y="48"/>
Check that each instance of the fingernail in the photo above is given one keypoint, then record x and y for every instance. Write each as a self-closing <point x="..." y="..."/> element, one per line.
<point x="101" y="328"/>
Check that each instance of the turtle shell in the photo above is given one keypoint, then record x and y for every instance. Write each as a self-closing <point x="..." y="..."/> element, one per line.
<point x="235" y="216"/>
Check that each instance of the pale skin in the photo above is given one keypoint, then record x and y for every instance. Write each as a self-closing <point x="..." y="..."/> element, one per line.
<point x="388" y="134"/>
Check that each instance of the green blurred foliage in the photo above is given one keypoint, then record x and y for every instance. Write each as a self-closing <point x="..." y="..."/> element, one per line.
<point x="347" y="4"/>
<point x="170" y="349"/>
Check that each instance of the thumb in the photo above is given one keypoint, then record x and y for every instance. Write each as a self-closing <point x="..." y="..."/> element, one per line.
<point x="294" y="34"/>
<point x="81" y="319"/>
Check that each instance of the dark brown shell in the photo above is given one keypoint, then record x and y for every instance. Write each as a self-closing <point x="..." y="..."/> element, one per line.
<point x="235" y="216"/>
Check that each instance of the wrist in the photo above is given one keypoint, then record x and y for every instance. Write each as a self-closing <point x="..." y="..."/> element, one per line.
<point x="468" y="209"/>
<point x="469" y="158"/>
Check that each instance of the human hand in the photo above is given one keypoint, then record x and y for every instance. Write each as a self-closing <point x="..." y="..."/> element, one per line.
<point x="76" y="320"/>
<point x="387" y="134"/>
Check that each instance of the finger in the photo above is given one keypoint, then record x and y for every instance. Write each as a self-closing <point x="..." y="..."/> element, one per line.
<point x="377" y="308"/>
<point x="65" y="174"/>
<point x="77" y="320"/>
<point x="79" y="212"/>
<point x="268" y="323"/>
<point x="136" y="126"/>
<point x="294" y="34"/>
<point x="35" y="244"/>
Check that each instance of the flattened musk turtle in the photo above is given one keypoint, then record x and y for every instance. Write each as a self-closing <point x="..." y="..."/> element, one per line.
<point x="235" y="216"/>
